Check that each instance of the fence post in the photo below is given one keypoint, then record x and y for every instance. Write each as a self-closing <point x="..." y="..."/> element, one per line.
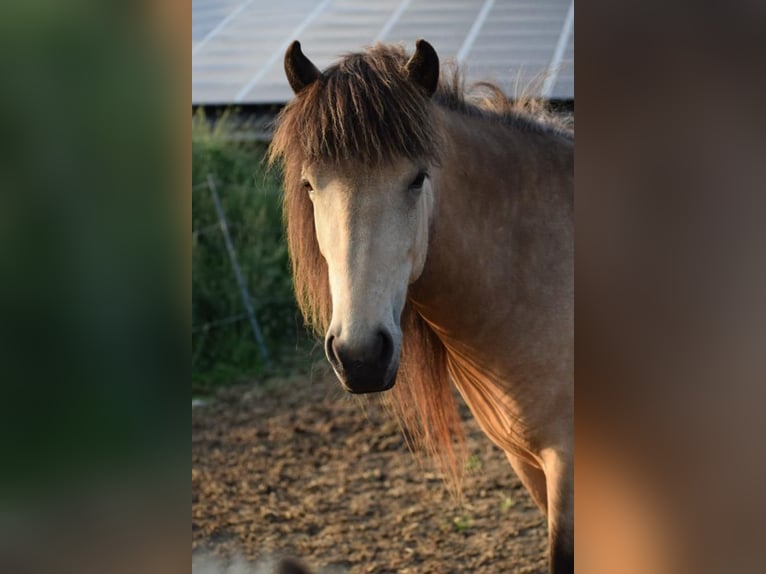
<point x="238" y="273"/>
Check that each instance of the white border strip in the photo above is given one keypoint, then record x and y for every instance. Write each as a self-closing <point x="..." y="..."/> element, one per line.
<point x="221" y="25"/>
<point x="474" y="31"/>
<point x="280" y="52"/>
<point x="555" y="65"/>
<point x="392" y="20"/>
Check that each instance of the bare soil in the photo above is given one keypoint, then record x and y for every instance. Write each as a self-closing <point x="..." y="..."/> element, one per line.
<point x="299" y="468"/>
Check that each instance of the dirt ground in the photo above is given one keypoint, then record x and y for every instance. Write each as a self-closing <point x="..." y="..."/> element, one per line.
<point x="299" y="468"/>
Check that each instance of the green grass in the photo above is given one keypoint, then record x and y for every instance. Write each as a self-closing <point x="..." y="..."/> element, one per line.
<point x="462" y="523"/>
<point x="473" y="463"/>
<point x="251" y="199"/>
<point x="507" y="503"/>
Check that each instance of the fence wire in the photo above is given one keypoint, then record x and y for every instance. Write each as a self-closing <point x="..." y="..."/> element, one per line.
<point x="249" y="314"/>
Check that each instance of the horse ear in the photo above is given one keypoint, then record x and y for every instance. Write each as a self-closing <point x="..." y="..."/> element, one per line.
<point x="299" y="69"/>
<point x="423" y="67"/>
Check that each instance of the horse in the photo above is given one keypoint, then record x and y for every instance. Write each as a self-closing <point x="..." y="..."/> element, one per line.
<point x="431" y="239"/>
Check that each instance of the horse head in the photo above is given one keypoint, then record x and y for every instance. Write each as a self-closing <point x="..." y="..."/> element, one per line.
<point x="371" y="209"/>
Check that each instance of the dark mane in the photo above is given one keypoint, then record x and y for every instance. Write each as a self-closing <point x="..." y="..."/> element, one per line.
<point x="486" y="100"/>
<point x="362" y="108"/>
<point x="365" y="108"/>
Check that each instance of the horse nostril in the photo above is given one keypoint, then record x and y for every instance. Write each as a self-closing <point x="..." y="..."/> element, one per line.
<point x="386" y="343"/>
<point x="375" y="354"/>
<point x="331" y="352"/>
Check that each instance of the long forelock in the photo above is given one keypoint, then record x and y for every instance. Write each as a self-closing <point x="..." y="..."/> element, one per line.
<point x="363" y="109"/>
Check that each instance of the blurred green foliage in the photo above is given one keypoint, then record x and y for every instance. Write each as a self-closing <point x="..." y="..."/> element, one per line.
<point x="251" y="198"/>
<point x="94" y="354"/>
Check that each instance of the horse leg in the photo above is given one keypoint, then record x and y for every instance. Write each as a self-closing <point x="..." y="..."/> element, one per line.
<point x="559" y="472"/>
<point x="533" y="479"/>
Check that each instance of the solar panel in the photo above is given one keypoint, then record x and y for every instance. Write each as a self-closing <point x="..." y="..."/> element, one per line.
<point x="238" y="45"/>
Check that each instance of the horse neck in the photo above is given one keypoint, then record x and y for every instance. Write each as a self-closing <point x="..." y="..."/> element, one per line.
<point x="501" y="245"/>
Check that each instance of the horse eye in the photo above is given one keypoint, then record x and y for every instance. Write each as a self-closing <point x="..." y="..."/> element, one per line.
<point x="306" y="185"/>
<point x="417" y="183"/>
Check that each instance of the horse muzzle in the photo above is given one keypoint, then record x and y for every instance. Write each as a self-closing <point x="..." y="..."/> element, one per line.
<point x="367" y="366"/>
